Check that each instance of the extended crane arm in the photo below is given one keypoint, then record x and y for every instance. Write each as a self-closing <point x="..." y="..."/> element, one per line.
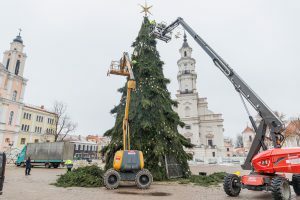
<point x="163" y="32"/>
<point x="124" y="68"/>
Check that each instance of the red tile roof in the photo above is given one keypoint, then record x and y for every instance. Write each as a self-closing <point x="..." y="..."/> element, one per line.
<point x="247" y="130"/>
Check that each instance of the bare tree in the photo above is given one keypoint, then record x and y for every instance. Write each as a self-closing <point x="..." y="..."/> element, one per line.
<point x="63" y="123"/>
<point x="293" y="130"/>
<point x="239" y="141"/>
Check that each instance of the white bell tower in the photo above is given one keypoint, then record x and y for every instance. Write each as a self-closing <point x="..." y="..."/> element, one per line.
<point x="186" y="75"/>
<point x="203" y="128"/>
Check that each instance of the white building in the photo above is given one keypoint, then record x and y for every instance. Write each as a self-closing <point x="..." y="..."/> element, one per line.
<point x="248" y="135"/>
<point x="202" y="127"/>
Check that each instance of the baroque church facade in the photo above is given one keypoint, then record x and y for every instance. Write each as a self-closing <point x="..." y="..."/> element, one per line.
<point x="20" y="123"/>
<point x="203" y="128"/>
<point x="12" y="88"/>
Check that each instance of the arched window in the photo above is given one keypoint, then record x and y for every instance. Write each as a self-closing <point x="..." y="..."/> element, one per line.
<point x="7" y="64"/>
<point x="187" y="111"/>
<point x="184" y="53"/>
<point x="17" y="67"/>
<point x="14" y="96"/>
<point x="11" y="116"/>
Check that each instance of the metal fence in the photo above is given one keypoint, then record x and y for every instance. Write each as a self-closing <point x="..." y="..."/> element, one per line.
<point x="174" y="170"/>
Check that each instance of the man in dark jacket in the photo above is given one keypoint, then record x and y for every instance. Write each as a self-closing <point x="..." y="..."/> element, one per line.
<point x="28" y="166"/>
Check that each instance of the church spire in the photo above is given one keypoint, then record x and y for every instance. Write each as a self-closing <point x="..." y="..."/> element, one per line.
<point x="185" y="44"/>
<point x="18" y="37"/>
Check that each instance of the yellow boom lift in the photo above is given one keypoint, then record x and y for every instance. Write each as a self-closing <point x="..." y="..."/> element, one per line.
<point x="128" y="164"/>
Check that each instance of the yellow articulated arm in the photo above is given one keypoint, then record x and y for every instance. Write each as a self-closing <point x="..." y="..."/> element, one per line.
<point x="126" y="136"/>
<point x="124" y="68"/>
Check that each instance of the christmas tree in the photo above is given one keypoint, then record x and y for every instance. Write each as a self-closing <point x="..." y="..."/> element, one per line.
<point x="152" y="121"/>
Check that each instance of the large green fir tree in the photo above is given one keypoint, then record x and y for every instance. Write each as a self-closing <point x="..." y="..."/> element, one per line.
<point x="153" y="123"/>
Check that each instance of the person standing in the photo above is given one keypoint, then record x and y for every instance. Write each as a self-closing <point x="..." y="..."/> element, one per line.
<point x="69" y="164"/>
<point x="28" y="166"/>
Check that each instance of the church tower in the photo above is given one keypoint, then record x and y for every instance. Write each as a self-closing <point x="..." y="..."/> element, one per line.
<point x="12" y="89"/>
<point x="187" y="95"/>
<point x="186" y="75"/>
<point x="203" y="128"/>
<point x="14" y="58"/>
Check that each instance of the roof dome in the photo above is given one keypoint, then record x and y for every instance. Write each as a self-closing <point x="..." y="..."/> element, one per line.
<point x="18" y="39"/>
<point x="185" y="44"/>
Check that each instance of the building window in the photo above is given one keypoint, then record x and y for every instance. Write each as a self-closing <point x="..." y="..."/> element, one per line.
<point x="227" y="149"/>
<point x="36" y="140"/>
<point x="210" y="142"/>
<point x="38" y="129"/>
<point x="214" y="154"/>
<point x="7" y="140"/>
<point x="187" y="110"/>
<point x="188" y="127"/>
<point x="47" y="140"/>
<point x="11" y="116"/>
<point x="50" y="121"/>
<point x="184" y="53"/>
<point x="250" y="138"/>
<point x="39" y="118"/>
<point x="26" y="128"/>
<point x="27" y="116"/>
<point x="17" y="67"/>
<point x="23" y="140"/>
<point x="7" y="64"/>
<point x="14" y="97"/>
<point x="79" y="147"/>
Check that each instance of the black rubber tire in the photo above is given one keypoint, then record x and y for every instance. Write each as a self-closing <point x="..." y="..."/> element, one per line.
<point x="232" y="185"/>
<point x="296" y="183"/>
<point x="143" y="179"/>
<point x="55" y="166"/>
<point x="47" y="165"/>
<point x="111" y="179"/>
<point x="280" y="188"/>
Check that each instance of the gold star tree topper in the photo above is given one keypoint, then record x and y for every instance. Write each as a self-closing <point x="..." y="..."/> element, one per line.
<point x="146" y="9"/>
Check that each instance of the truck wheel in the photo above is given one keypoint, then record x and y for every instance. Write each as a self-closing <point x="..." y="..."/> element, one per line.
<point x="55" y="165"/>
<point x="296" y="183"/>
<point x="232" y="185"/>
<point x="280" y="188"/>
<point x="47" y="165"/>
<point x="143" y="179"/>
<point x="111" y="179"/>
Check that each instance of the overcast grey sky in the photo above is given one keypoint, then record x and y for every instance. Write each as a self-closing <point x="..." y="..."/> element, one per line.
<point x="70" y="44"/>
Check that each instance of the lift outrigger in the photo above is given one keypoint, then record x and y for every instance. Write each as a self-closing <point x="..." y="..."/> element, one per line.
<point x="268" y="165"/>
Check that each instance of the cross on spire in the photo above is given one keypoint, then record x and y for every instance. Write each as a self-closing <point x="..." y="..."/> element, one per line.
<point x="20" y="30"/>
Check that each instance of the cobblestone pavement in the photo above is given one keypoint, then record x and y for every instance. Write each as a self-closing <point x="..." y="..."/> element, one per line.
<point x="37" y="186"/>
